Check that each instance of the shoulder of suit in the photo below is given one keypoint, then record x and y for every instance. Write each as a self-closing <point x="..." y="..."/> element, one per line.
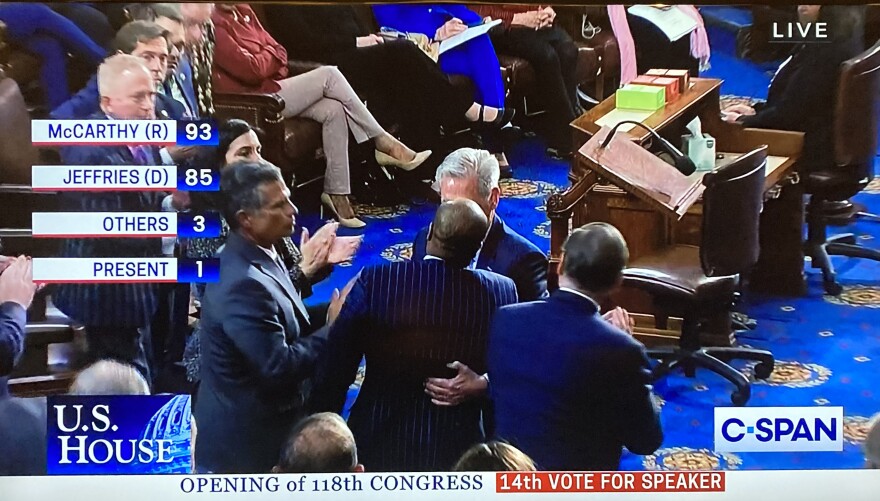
<point x="517" y="243"/>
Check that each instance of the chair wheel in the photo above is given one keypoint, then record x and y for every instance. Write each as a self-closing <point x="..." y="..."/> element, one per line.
<point x="763" y="370"/>
<point x="833" y="288"/>
<point x="739" y="399"/>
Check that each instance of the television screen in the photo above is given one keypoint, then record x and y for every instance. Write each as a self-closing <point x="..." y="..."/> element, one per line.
<point x="415" y="250"/>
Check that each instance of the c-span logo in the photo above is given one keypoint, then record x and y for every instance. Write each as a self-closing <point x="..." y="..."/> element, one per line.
<point x="779" y="429"/>
<point x="109" y="435"/>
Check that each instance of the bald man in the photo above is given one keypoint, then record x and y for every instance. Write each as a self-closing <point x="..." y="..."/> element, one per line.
<point x="410" y="318"/>
<point x="569" y="388"/>
<point x="320" y="443"/>
<point x="107" y="377"/>
<point x="116" y="316"/>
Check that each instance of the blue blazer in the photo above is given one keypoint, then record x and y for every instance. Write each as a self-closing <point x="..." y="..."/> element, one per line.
<point x="475" y="59"/>
<point x="256" y="355"/>
<point x="569" y="389"/>
<point x="508" y="253"/>
<point x="111" y="305"/>
<point x="410" y="319"/>
<point x="23" y="436"/>
<point x="87" y="102"/>
<point x="13" y="319"/>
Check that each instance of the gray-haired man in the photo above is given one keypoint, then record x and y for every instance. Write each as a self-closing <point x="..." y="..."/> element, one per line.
<point x="257" y="344"/>
<point x="473" y="174"/>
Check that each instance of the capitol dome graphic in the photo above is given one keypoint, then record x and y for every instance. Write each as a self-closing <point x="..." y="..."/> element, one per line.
<point x="172" y="422"/>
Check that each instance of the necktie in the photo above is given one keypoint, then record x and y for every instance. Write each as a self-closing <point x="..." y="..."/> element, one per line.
<point x="297" y="300"/>
<point x="141" y="155"/>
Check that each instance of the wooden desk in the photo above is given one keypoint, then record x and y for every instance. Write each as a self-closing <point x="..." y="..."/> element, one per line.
<point x="780" y="267"/>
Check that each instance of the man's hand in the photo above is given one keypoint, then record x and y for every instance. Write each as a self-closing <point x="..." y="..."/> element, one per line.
<point x="531" y="19"/>
<point x="17" y="282"/>
<point x="180" y="200"/>
<point x="343" y="249"/>
<point x="369" y="40"/>
<point x="181" y="153"/>
<point x="619" y="318"/>
<point x="337" y="299"/>
<point x="741" y="109"/>
<point x="5" y="261"/>
<point x="449" y="29"/>
<point x="731" y="117"/>
<point x="466" y="385"/>
<point x="316" y="250"/>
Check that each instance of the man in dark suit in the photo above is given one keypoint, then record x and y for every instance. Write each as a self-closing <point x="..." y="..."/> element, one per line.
<point x="584" y="392"/>
<point x="473" y="174"/>
<point x="409" y="319"/>
<point x="116" y="316"/>
<point x="142" y="39"/>
<point x="257" y="344"/>
<point x="16" y="293"/>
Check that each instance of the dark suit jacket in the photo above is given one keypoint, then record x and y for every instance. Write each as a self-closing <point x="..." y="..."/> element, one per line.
<point x="13" y="319"/>
<point x="22" y="436"/>
<point x="801" y="98"/>
<point x="569" y="389"/>
<point x="410" y="320"/>
<point x="255" y="358"/>
<point x="116" y="305"/>
<point x="87" y="102"/>
<point x="507" y="253"/>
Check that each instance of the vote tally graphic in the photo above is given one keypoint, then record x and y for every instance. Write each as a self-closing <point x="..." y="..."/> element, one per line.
<point x="94" y="178"/>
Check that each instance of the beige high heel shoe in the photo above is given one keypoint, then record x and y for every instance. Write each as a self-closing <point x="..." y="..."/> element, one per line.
<point x="387" y="160"/>
<point x="350" y="222"/>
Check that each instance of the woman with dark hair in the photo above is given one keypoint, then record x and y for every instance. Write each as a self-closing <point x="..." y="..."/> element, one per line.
<point x="309" y="264"/>
<point x="802" y="93"/>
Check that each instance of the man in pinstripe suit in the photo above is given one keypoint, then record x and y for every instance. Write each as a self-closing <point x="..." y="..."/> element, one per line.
<point x="410" y="319"/>
<point x="116" y="316"/>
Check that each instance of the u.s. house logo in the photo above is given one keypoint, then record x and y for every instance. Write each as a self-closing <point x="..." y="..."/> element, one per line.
<point x="119" y="435"/>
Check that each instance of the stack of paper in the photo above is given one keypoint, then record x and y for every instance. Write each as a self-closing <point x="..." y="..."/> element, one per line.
<point x="466" y="35"/>
<point x="671" y="20"/>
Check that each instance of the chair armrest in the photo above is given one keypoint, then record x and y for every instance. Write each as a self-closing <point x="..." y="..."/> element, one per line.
<point x="22" y="188"/>
<point x="265" y="103"/>
<point x="297" y="67"/>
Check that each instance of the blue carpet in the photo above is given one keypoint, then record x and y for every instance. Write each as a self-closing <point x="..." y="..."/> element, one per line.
<point x="827" y="349"/>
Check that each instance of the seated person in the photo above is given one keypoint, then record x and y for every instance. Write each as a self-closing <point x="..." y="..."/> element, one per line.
<point x="397" y="78"/>
<point x="644" y="46"/>
<point x="16" y="293"/>
<point x="530" y="33"/>
<point x="320" y="443"/>
<point x="108" y="377"/>
<point x="179" y="80"/>
<point x="248" y="59"/>
<point x="50" y="36"/>
<point x="494" y="456"/>
<point x="145" y="40"/>
<point x="474" y="59"/>
<point x="802" y="93"/>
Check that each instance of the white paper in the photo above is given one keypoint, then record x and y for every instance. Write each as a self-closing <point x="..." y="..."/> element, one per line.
<point x="618" y="115"/>
<point x="672" y="21"/>
<point x="695" y="127"/>
<point x="466" y="35"/>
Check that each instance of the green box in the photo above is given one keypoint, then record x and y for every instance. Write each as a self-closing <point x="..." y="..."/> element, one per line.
<point x="640" y="97"/>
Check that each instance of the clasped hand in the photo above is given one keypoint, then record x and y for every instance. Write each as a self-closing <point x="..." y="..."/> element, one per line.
<point x="325" y="248"/>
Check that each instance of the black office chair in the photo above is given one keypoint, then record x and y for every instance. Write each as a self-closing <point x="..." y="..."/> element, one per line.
<point x="699" y="283"/>
<point x="856" y="117"/>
